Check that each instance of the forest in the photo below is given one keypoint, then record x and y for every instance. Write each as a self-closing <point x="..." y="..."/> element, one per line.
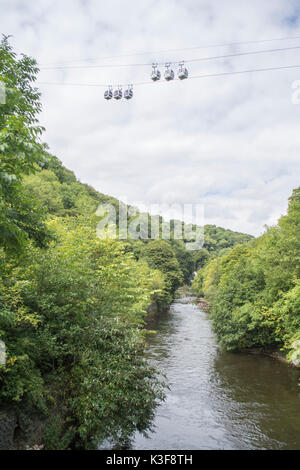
<point x="73" y="306"/>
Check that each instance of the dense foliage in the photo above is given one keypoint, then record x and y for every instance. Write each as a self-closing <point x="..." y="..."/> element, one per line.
<point x="70" y="324"/>
<point x="62" y="194"/>
<point x="21" y="151"/>
<point x="161" y="256"/>
<point x="255" y="289"/>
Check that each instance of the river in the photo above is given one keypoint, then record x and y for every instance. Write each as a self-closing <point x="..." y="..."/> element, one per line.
<point x="218" y="400"/>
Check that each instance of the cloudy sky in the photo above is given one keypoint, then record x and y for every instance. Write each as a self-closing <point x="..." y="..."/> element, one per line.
<point x="230" y="143"/>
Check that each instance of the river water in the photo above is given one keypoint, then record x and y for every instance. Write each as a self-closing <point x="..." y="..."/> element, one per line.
<point x="218" y="400"/>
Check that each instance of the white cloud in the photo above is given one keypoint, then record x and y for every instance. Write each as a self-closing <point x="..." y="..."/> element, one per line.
<point x="231" y="143"/>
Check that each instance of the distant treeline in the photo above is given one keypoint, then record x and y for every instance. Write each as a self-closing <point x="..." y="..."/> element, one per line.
<point x="63" y="196"/>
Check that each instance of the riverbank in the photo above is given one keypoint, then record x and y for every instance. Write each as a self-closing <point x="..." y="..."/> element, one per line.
<point x="274" y="353"/>
<point x="153" y="312"/>
<point x="217" y="399"/>
<point x="204" y="304"/>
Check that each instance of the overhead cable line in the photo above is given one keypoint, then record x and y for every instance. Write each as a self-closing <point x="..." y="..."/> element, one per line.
<point x="208" y="46"/>
<point x="220" y="74"/>
<point x="199" y="59"/>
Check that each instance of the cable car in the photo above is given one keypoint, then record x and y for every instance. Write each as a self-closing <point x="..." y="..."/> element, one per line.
<point x="118" y="94"/>
<point x="128" y="94"/>
<point x="169" y="73"/>
<point x="182" y="72"/>
<point x="108" y="94"/>
<point x="155" y="75"/>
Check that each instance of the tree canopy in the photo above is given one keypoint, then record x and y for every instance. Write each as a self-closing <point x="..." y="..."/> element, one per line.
<point x="21" y="151"/>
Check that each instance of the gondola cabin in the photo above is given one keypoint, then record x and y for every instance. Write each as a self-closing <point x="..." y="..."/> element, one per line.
<point x="128" y="94"/>
<point x="155" y="75"/>
<point x="169" y="73"/>
<point x="108" y="94"/>
<point x="118" y="94"/>
<point x="182" y="73"/>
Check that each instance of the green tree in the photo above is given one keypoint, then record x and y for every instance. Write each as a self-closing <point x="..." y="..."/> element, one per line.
<point x="160" y="255"/>
<point x="254" y="289"/>
<point x="71" y="322"/>
<point x="21" y="151"/>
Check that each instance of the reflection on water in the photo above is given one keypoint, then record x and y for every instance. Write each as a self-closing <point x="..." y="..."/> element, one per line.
<point x="218" y="400"/>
